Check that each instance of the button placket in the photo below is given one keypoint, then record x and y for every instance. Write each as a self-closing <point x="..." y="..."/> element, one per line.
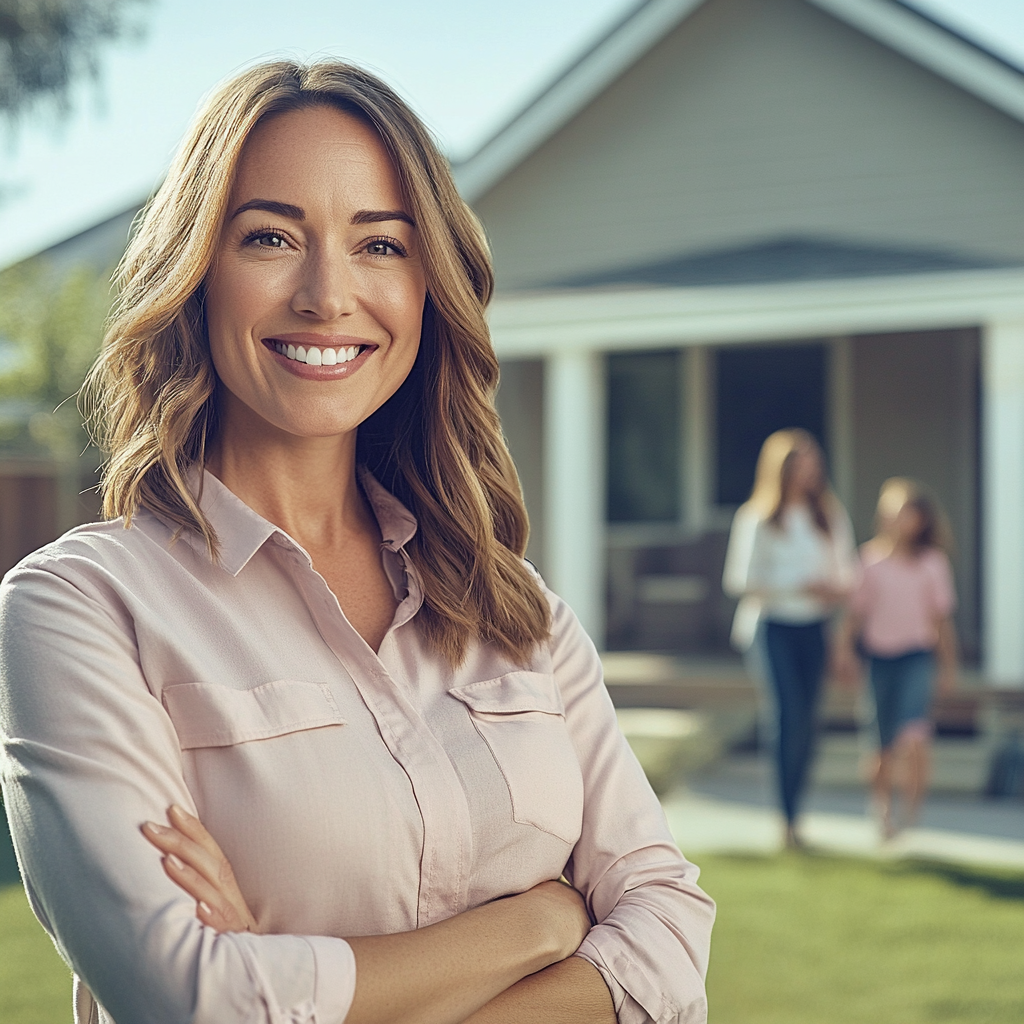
<point x="442" y="803"/>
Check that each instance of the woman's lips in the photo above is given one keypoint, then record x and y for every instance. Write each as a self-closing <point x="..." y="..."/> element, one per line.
<point x="314" y="357"/>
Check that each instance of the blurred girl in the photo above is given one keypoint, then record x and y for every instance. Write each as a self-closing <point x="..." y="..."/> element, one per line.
<point x="901" y="619"/>
<point x="790" y="560"/>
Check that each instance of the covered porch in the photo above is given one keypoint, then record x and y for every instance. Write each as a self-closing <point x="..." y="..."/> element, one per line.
<point x="919" y="375"/>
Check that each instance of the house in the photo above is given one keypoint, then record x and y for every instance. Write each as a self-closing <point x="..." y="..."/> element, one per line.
<point x="731" y="216"/>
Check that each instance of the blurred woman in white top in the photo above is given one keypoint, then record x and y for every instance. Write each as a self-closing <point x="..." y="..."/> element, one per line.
<point x="791" y="563"/>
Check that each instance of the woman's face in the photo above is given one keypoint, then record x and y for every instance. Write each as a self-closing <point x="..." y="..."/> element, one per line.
<point x="807" y="472"/>
<point x="907" y="524"/>
<point x="314" y="301"/>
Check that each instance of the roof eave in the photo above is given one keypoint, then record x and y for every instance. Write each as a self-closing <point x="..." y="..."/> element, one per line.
<point x="571" y="92"/>
<point x="934" y="46"/>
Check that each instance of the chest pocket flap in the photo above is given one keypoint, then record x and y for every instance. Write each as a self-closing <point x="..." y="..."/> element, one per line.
<point x="208" y="715"/>
<point x="521" y="718"/>
<point x="510" y="694"/>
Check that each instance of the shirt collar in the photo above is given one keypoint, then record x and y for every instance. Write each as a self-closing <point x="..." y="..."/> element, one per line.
<point x="241" y="532"/>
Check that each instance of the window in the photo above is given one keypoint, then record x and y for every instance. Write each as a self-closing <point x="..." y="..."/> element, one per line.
<point x="758" y="391"/>
<point x="643" y="437"/>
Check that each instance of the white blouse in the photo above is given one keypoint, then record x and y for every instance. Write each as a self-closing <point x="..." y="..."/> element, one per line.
<point x="770" y="566"/>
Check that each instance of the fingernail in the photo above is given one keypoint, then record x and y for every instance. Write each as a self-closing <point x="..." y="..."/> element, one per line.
<point x="152" y="826"/>
<point x="205" y="908"/>
<point x="180" y="811"/>
<point x="175" y="862"/>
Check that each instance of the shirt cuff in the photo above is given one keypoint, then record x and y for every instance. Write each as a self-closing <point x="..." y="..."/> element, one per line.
<point x="627" y="1009"/>
<point x="334" y="986"/>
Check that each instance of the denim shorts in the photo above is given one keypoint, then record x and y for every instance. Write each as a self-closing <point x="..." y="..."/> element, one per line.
<point x="903" y="691"/>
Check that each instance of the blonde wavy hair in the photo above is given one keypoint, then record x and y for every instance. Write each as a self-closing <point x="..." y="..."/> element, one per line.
<point x="774" y="469"/>
<point x="436" y="444"/>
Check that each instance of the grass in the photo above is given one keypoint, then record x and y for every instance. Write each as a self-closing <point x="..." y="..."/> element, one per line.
<point x="830" y="940"/>
<point x="799" y="940"/>
<point x="35" y="986"/>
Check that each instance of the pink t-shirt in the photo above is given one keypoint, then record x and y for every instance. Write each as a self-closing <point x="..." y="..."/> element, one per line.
<point x="900" y="598"/>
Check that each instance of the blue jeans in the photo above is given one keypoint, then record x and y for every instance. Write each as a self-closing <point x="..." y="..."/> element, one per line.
<point x="903" y="691"/>
<point x="796" y="665"/>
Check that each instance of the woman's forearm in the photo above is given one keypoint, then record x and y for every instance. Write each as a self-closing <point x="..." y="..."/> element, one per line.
<point x="569" y="992"/>
<point x="444" y="973"/>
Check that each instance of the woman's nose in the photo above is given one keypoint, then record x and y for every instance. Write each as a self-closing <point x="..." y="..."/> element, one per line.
<point x="326" y="288"/>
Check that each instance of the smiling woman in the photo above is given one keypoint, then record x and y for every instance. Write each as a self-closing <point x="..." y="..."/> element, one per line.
<point x="306" y="636"/>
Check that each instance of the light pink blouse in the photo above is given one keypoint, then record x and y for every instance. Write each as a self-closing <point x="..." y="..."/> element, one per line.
<point x="355" y="793"/>
<point x="900" y="599"/>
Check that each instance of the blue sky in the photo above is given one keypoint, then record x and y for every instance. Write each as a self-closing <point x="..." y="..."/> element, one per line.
<point x="464" y="64"/>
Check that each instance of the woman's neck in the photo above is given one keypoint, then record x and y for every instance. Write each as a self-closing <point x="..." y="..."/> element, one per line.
<point x="305" y="485"/>
<point x="905" y="548"/>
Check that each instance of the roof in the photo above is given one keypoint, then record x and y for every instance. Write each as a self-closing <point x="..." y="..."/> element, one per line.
<point x="893" y="23"/>
<point x="783" y="259"/>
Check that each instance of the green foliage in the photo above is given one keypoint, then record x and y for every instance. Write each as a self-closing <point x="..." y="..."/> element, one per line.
<point x="45" y="45"/>
<point x="51" y="324"/>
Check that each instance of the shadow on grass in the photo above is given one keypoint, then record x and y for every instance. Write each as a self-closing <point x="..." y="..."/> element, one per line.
<point x="999" y="885"/>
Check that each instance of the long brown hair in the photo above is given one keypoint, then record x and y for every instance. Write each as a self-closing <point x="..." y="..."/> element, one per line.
<point x="437" y="443"/>
<point x="774" y="471"/>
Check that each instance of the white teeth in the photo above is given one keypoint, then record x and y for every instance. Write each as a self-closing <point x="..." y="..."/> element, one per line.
<point x="318" y="356"/>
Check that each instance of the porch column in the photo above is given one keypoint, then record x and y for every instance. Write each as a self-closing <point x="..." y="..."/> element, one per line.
<point x="1003" y="502"/>
<point x="574" y="488"/>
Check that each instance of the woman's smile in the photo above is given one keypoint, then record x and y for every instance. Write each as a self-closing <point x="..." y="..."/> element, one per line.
<point x="313" y="357"/>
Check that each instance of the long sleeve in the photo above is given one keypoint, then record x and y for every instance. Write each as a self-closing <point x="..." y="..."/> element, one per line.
<point x="739" y="575"/>
<point x="740" y="552"/>
<point x="652" y="937"/>
<point x="88" y="755"/>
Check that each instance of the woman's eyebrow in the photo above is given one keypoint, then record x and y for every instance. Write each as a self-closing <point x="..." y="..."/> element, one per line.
<point x="376" y="216"/>
<point x="272" y="206"/>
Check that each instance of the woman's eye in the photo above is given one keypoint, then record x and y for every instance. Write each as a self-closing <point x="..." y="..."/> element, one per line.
<point x="266" y="239"/>
<point x="383" y="247"/>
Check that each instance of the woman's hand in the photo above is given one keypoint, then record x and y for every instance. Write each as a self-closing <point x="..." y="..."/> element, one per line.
<point x="827" y="593"/>
<point x="194" y="861"/>
<point x="563" y="909"/>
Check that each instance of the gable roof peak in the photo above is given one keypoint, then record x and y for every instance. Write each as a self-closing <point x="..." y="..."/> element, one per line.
<point x="896" y="24"/>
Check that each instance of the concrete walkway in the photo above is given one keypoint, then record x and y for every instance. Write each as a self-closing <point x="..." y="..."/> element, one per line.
<point x="731" y="806"/>
<point x="705" y="824"/>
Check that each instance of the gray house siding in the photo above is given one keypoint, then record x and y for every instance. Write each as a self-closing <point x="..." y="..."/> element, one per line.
<point x="756" y="120"/>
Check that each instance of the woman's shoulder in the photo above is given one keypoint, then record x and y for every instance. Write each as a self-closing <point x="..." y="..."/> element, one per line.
<point x="94" y="550"/>
<point x="874" y="551"/>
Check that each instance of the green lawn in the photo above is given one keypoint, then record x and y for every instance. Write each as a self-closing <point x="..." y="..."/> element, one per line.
<point x="35" y="986"/>
<point x="799" y="940"/>
<point x="829" y="940"/>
